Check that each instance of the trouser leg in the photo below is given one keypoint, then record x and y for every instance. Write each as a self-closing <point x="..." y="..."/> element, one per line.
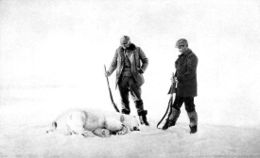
<point x="189" y="104"/>
<point x="192" y="114"/>
<point x="136" y="94"/>
<point x="178" y="101"/>
<point x="124" y="93"/>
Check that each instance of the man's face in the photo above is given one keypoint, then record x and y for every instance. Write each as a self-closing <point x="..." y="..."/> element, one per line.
<point x="182" y="48"/>
<point x="125" y="43"/>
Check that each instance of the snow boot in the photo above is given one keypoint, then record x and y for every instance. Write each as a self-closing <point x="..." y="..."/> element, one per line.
<point x="172" y="118"/>
<point x="125" y="111"/>
<point x="142" y="117"/>
<point x="193" y="116"/>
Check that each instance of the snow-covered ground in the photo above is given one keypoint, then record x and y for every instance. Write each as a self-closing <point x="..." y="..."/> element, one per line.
<point x="51" y="59"/>
<point x="23" y="135"/>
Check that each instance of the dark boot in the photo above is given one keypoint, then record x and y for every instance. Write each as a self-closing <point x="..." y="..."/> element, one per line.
<point x="142" y="117"/>
<point x="172" y="118"/>
<point x="193" y="116"/>
<point x="125" y="111"/>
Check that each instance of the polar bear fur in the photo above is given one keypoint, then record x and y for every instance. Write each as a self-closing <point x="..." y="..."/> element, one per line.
<point x="90" y="123"/>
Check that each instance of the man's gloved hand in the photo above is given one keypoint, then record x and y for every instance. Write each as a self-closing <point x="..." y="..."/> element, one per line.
<point x="140" y="70"/>
<point x="174" y="80"/>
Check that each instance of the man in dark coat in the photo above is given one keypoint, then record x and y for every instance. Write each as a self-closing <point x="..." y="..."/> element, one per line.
<point x="130" y="63"/>
<point x="186" y="79"/>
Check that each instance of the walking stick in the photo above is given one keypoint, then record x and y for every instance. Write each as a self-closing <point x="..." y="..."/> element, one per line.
<point x="110" y="93"/>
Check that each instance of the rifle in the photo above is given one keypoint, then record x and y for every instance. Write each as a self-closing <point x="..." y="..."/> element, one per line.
<point x="171" y="91"/>
<point x="172" y="88"/>
<point x="110" y="93"/>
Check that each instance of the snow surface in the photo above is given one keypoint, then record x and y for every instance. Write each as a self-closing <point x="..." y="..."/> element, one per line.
<point x="51" y="59"/>
<point x="23" y="135"/>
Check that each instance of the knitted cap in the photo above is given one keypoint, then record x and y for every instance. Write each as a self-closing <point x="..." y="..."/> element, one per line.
<point x="181" y="42"/>
<point x="124" y="39"/>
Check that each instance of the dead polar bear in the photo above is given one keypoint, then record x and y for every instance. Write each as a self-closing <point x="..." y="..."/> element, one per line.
<point x="89" y="122"/>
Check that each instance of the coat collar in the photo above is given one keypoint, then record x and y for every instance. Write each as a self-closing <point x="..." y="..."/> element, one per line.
<point x="130" y="48"/>
<point x="186" y="53"/>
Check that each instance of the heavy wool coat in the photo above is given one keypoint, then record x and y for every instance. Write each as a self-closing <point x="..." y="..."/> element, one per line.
<point x="186" y="73"/>
<point x="138" y="60"/>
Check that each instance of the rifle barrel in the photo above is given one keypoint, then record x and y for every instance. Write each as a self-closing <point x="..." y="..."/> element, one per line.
<point x="110" y="92"/>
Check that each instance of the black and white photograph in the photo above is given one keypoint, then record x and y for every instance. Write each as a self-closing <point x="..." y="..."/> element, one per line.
<point x="129" y="79"/>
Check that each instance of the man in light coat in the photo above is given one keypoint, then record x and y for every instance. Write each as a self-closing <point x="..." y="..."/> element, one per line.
<point x="186" y="79"/>
<point x="130" y="63"/>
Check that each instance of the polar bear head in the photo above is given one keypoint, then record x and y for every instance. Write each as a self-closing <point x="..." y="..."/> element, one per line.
<point x="130" y="122"/>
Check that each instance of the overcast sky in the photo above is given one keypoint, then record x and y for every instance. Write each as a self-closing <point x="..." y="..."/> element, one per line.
<point x="64" y="44"/>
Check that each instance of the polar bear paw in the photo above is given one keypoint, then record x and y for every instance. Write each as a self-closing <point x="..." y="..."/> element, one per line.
<point x="105" y="133"/>
<point x="123" y="131"/>
<point x="101" y="132"/>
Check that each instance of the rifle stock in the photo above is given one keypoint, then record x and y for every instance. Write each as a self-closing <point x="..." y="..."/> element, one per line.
<point x="172" y="88"/>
